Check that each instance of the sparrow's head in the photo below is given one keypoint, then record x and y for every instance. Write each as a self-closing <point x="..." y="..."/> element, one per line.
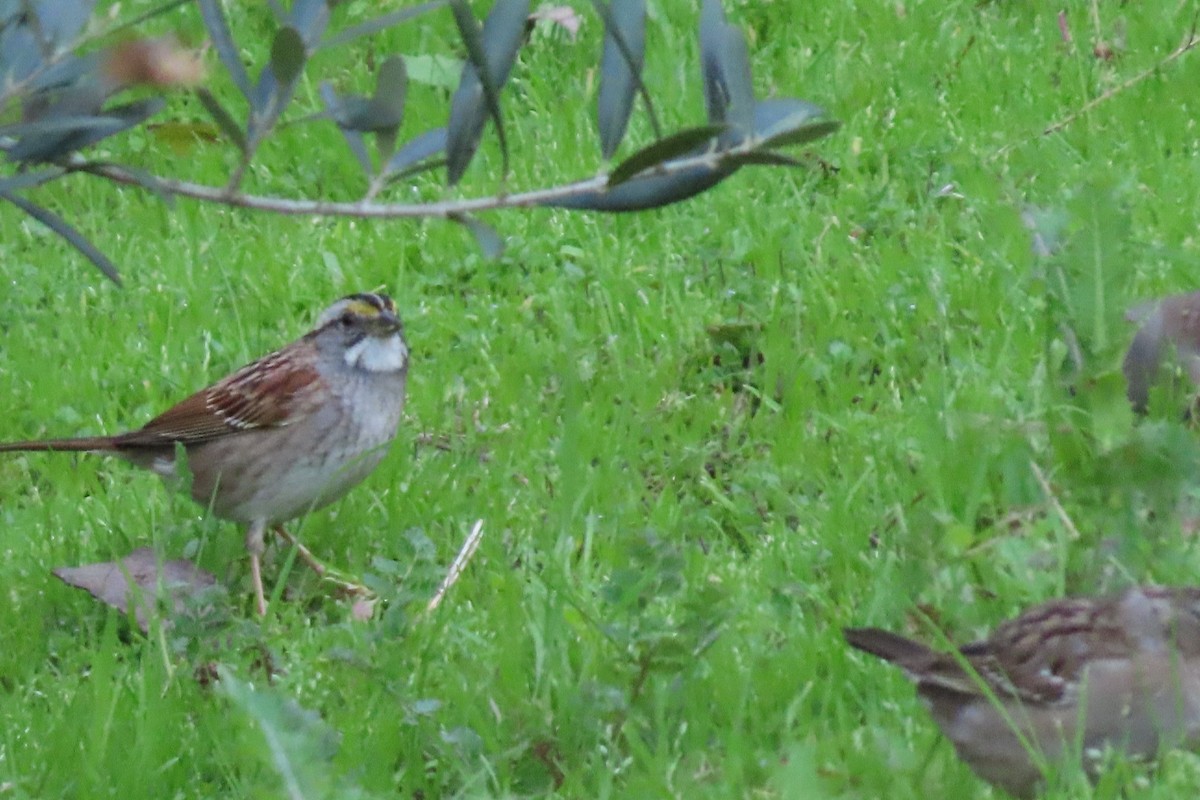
<point x="367" y="328"/>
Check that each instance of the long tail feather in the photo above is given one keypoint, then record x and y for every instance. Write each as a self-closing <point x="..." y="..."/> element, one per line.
<point x="84" y="444"/>
<point x="888" y="646"/>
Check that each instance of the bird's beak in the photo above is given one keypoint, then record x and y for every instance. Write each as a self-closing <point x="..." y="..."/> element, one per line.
<point x="386" y="323"/>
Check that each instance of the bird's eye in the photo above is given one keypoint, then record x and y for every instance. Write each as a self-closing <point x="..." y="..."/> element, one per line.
<point x="346" y="320"/>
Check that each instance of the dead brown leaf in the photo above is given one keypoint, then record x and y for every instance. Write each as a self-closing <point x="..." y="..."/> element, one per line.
<point x="140" y="578"/>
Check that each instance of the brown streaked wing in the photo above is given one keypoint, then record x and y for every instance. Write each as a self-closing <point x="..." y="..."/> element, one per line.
<point x="1043" y="652"/>
<point x="270" y="392"/>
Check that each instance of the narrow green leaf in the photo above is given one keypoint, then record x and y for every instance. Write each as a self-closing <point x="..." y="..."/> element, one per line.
<point x="416" y="151"/>
<point x="783" y="121"/>
<point x="386" y="109"/>
<point x="222" y="118"/>
<point x="29" y="179"/>
<point x="378" y="24"/>
<point x="349" y="111"/>
<point x="417" y="168"/>
<point x="56" y="125"/>
<point x="620" y="68"/>
<point x="712" y="30"/>
<point x="805" y="133"/>
<point x="385" y="112"/>
<point x="763" y="157"/>
<point x="485" y="236"/>
<point x="309" y="18"/>
<point x="50" y="77"/>
<point x="686" y="142"/>
<point x="385" y="143"/>
<point x="287" y="55"/>
<point x="734" y="65"/>
<point x="354" y="139"/>
<point x="276" y="84"/>
<point x="491" y="53"/>
<point x="71" y="236"/>
<point x="60" y="22"/>
<point x="725" y="66"/>
<point x="118" y="119"/>
<point x="470" y="104"/>
<point x="503" y="32"/>
<point x="81" y="101"/>
<point x="222" y="39"/>
<point x="649" y="190"/>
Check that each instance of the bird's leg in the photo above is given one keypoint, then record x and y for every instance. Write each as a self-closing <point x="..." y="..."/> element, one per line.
<point x="305" y="554"/>
<point x="324" y="572"/>
<point x="254" y="545"/>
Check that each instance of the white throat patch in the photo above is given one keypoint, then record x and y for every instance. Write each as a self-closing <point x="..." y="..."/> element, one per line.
<point x="378" y="355"/>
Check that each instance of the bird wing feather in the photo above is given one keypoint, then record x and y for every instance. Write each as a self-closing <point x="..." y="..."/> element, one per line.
<point x="271" y="392"/>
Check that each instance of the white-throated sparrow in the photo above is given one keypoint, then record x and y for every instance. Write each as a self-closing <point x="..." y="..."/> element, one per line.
<point x="288" y="433"/>
<point x="1064" y="680"/>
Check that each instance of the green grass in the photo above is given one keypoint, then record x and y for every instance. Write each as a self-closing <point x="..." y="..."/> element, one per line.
<point x="674" y="532"/>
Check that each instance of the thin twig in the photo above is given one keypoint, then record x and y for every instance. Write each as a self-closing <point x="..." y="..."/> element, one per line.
<point x="1058" y="509"/>
<point x="1188" y="43"/>
<point x="370" y="210"/>
<point x="460" y="563"/>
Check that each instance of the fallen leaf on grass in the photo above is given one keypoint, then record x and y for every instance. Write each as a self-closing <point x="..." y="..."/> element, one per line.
<point x="182" y="137"/>
<point x="140" y="578"/>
